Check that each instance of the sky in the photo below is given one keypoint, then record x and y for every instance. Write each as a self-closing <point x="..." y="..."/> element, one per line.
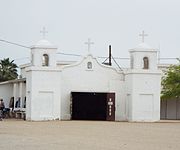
<point x="107" y="22"/>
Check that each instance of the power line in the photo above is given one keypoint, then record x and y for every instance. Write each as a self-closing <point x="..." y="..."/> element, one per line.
<point x="13" y="43"/>
<point x="103" y="57"/>
<point x="69" y="54"/>
<point x="22" y="58"/>
<point x="117" y="64"/>
<point x="120" y="58"/>
<point x="114" y="57"/>
<point x="77" y="55"/>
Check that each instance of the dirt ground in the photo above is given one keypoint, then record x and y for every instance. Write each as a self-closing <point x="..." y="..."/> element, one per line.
<point x="88" y="135"/>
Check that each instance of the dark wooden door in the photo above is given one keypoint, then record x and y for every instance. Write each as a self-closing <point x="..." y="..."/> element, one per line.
<point x="110" y="113"/>
<point x="89" y="106"/>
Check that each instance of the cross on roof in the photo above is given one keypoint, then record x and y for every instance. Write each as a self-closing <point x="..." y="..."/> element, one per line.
<point x="89" y="43"/>
<point x="143" y="35"/>
<point x="43" y="31"/>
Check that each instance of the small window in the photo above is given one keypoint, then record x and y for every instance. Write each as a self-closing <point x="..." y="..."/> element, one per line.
<point x="146" y="63"/>
<point x="89" y="65"/>
<point x="45" y="60"/>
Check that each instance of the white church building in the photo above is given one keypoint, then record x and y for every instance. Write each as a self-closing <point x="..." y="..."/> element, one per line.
<point x="86" y="90"/>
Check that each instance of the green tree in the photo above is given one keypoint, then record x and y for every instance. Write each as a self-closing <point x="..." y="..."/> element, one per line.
<point x="8" y="70"/>
<point x="171" y="83"/>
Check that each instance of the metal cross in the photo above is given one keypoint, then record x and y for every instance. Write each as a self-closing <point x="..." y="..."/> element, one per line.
<point x="143" y="35"/>
<point x="44" y="32"/>
<point x="89" y="43"/>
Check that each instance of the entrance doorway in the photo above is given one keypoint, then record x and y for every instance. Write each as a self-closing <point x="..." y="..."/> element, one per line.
<point x="93" y="106"/>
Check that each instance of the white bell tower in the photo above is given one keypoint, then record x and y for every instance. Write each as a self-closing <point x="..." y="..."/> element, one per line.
<point x="143" y="81"/>
<point x="43" y="53"/>
<point x="143" y="58"/>
<point x="43" y="83"/>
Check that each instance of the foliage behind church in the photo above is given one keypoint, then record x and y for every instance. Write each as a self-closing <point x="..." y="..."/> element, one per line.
<point x="8" y="70"/>
<point x="171" y="83"/>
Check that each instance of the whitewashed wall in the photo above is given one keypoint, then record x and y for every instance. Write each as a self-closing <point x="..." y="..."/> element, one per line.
<point x="43" y="93"/>
<point x="6" y="92"/>
<point x="143" y="96"/>
<point x="15" y="88"/>
<point x="78" y="78"/>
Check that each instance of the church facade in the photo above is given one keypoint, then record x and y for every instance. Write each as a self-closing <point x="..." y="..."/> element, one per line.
<point x="87" y="90"/>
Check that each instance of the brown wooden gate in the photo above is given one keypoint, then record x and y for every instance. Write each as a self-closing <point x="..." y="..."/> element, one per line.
<point x="92" y="106"/>
<point x="110" y="114"/>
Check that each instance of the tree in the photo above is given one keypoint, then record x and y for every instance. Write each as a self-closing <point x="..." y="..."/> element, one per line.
<point x="8" y="70"/>
<point x="171" y="83"/>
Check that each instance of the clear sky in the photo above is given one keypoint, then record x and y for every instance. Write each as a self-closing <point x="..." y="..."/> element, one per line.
<point x="71" y="22"/>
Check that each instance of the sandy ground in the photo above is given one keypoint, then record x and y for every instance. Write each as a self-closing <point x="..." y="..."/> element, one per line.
<point x="88" y="135"/>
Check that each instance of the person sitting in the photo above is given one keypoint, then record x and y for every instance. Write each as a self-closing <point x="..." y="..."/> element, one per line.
<point x="2" y="106"/>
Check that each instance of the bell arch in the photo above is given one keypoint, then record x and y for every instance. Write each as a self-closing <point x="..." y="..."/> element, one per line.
<point x="145" y="63"/>
<point x="45" y="60"/>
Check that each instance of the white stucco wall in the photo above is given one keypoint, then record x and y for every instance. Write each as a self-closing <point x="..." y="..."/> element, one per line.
<point x="23" y="69"/>
<point x="23" y="72"/>
<point x="28" y="93"/>
<point x="143" y="95"/>
<point x="6" y="92"/>
<point x="78" y="78"/>
<point x="43" y="93"/>
<point x="13" y="88"/>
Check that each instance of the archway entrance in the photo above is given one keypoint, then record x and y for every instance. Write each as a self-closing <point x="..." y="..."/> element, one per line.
<point x="93" y="106"/>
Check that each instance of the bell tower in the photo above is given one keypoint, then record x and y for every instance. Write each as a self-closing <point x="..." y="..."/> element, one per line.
<point x="43" y="83"/>
<point x="143" y="58"/>
<point x="143" y="84"/>
<point x="43" y="54"/>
